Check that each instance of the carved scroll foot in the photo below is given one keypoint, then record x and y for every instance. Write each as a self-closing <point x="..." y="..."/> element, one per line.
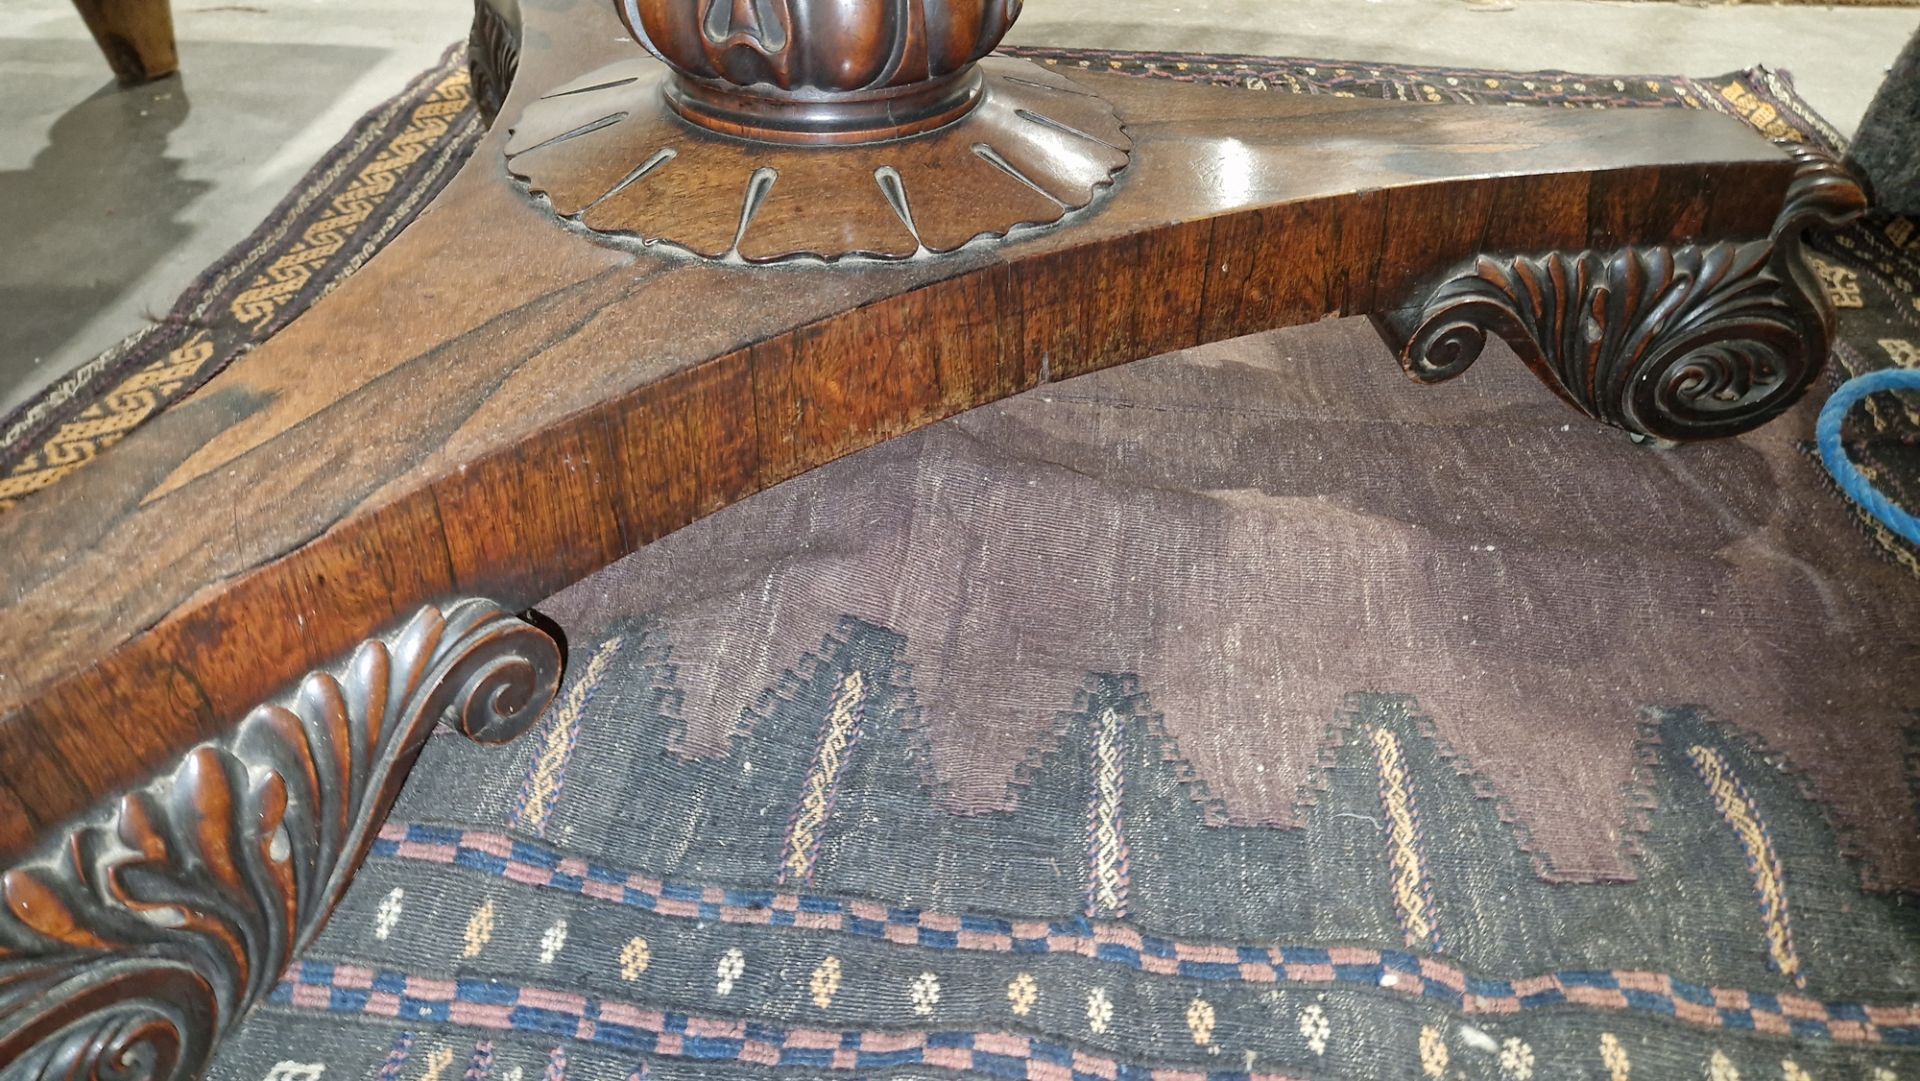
<point x="134" y="941"/>
<point x="1672" y="343"/>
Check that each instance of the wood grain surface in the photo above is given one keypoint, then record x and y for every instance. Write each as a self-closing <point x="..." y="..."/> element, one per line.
<point x="606" y="154"/>
<point x="496" y="406"/>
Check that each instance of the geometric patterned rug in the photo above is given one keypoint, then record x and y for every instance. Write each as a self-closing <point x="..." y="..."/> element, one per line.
<point x="1040" y="744"/>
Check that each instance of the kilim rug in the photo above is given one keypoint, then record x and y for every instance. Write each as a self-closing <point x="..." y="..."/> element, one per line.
<point x="1243" y="713"/>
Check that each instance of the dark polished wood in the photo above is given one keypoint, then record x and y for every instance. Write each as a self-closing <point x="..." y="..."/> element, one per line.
<point x="514" y="394"/>
<point x="136" y="37"/>
<point x="607" y="154"/>
<point x="1670" y="342"/>
<point x="141" y="934"/>
<point x="820" y="71"/>
<point x="773" y="129"/>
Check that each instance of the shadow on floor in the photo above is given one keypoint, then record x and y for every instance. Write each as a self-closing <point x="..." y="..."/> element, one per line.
<point x="98" y="206"/>
<point x="112" y="200"/>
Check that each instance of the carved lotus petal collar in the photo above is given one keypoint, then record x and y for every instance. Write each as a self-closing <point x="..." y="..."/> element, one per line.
<point x="835" y="46"/>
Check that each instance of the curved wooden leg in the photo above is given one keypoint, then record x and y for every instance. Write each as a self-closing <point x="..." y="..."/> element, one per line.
<point x="135" y="35"/>
<point x="1669" y="342"/>
<point x="130" y="943"/>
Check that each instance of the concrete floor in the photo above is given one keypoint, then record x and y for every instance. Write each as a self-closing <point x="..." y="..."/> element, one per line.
<point x="111" y="201"/>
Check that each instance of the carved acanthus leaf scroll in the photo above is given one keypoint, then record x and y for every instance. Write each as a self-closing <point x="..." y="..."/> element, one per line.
<point x="131" y="943"/>
<point x="1684" y="342"/>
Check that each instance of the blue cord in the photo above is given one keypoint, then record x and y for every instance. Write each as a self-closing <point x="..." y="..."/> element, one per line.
<point x="1827" y="433"/>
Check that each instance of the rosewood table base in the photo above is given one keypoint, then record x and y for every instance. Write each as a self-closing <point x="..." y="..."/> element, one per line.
<point x="652" y="292"/>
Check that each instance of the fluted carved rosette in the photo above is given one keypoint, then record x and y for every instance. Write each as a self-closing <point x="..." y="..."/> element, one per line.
<point x="1691" y="341"/>
<point x="131" y="944"/>
<point x="606" y="155"/>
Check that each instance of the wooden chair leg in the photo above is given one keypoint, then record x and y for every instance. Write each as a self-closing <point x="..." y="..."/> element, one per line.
<point x="135" y="35"/>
